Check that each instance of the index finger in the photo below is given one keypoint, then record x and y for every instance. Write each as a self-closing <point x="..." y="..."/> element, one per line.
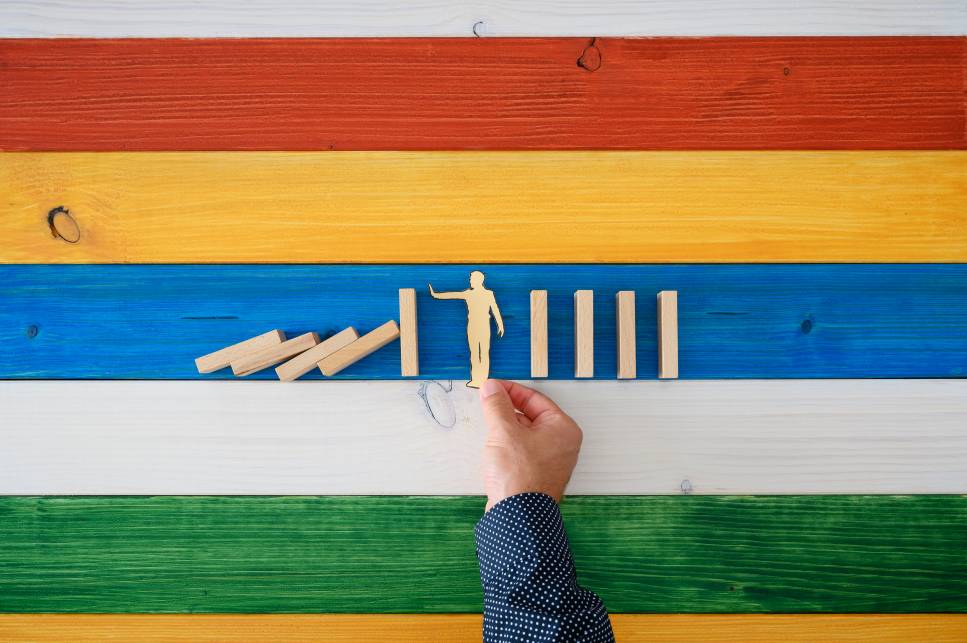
<point x="528" y="401"/>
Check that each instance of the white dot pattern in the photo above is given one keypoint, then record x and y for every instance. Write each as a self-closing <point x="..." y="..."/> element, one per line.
<point x="529" y="581"/>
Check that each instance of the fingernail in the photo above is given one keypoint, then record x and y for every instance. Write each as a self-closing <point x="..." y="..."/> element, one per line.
<point x="489" y="388"/>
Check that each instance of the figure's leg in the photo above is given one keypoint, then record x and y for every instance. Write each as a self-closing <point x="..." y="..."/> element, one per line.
<point x="484" y="348"/>
<point x="474" y="357"/>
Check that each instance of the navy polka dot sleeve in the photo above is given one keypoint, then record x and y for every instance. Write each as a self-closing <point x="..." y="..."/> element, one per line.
<point x="529" y="582"/>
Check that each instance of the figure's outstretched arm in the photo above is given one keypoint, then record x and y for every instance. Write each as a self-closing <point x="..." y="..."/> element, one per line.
<point x="446" y="295"/>
<point x="497" y="317"/>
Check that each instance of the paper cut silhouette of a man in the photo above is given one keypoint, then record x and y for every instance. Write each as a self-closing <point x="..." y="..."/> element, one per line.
<point x="480" y="304"/>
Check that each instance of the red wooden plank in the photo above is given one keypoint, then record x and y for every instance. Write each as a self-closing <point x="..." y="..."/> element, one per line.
<point x="488" y="93"/>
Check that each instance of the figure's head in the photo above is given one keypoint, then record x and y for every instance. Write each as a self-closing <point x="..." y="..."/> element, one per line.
<point x="476" y="279"/>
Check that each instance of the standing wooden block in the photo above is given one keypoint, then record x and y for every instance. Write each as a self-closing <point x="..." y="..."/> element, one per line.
<point x="272" y="355"/>
<point x="584" y="333"/>
<point x="538" y="333"/>
<point x="305" y="362"/>
<point x="627" y="346"/>
<point x="355" y="351"/>
<point x="409" y="344"/>
<point x="668" y="334"/>
<point x="225" y="356"/>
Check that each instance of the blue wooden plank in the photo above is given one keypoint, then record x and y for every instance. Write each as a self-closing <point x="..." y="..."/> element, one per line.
<point x="737" y="321"/>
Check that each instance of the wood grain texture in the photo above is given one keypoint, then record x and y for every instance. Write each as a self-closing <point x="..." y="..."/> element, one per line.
<point x="538" y="330"/>
<point x="584" y="333"/>
<point x="456" y="628"/>
<point x="409" y="334"/>
<point x="424" y="438"/>
<point x="358" y="349"/>
<point x="223" y="357"/>
<point x="472" y="94"/>
<point x="625" y="334"/>
<point x="379" y="207"/>
<point x="340" y="554"/>
<point x="757" y="321"/>
<point x="668" y="334"/>
<point x="307" y="361"/>
<point x="272" y="355"/>
<point x="288" y="18"/>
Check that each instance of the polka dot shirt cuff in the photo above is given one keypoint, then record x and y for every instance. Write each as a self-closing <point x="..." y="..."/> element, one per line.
<point x="529" y="581"/>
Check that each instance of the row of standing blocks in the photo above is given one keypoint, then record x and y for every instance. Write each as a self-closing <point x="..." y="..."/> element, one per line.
<point x="303" y="353"/>
<point x="626" y="335"/>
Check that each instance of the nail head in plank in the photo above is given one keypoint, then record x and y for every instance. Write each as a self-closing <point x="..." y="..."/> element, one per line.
<point x="357" y="350"/>
<point x="409" y="339"/>
<point x="254" y="362"/>
<point x="305" y="362"/>
<point x="668" y="334"/>
<point x="626" y="334"/>
<point x="538" y="333"/>
<point x="225" y="356"/>
<point x="584" y="333"/>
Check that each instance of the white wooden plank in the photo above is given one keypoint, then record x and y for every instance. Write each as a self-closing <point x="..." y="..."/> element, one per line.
<point x="289" y="18"/>
<point x="647" y="437"/>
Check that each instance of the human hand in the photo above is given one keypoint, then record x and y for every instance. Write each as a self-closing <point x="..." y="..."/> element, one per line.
<point x="534" y="449"/>
<point x="500" y="331"/>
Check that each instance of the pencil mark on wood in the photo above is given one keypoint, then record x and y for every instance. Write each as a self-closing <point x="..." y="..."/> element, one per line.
<point x="62" y="225"/>
<point x="686" y="487"/>
<point x="724" y="312"/>
<point x="477" y="24"/>
<point x="591" y="57"/>
<point x="438" y="402"/>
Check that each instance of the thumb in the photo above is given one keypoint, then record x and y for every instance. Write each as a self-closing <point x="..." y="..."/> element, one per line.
<point x="498" y="410"/>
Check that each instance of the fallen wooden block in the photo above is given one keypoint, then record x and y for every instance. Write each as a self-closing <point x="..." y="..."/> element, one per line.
<point x="668" y="334"/>
<point x="584" y="333"/>
<point x="225" y="356"/>
<point x="272" y="355"/>
<point x="627" y="345"/>
<point x="538" y="333"/>
<point x="355" y="351"/>
<point x="305" y="362"/>
<point x="409" y="347"/>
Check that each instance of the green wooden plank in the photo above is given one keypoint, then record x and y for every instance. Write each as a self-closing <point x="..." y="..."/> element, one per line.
<point x="416" y="554"/>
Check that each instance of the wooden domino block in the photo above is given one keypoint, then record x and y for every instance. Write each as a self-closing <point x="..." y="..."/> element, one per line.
<point x="272" y="355"/>
<point x="225" y="356"/>
<point x="627" y="346"/>
<point x="305" y="362"/>
<point x="668" y="334"/>
<point x="355" y="351"/>
<point x="409" y="346"/>
<point x="538" y="333"/>
<point x="584" y="333"/>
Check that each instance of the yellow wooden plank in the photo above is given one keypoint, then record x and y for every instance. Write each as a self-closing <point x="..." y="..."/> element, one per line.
<point x="645" y="628"/>
<point x="519" y="207"/>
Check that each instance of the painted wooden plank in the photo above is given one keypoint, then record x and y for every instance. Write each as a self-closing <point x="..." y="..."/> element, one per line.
<point x="402" y="554"/>
<point x="427" y="207"/>
<point x="424" y="438"/>
<point x="454" y="628"/>
<point x="736" y="321"/>
<point x="473" y="94"/>
<point x="288" y="18"/>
